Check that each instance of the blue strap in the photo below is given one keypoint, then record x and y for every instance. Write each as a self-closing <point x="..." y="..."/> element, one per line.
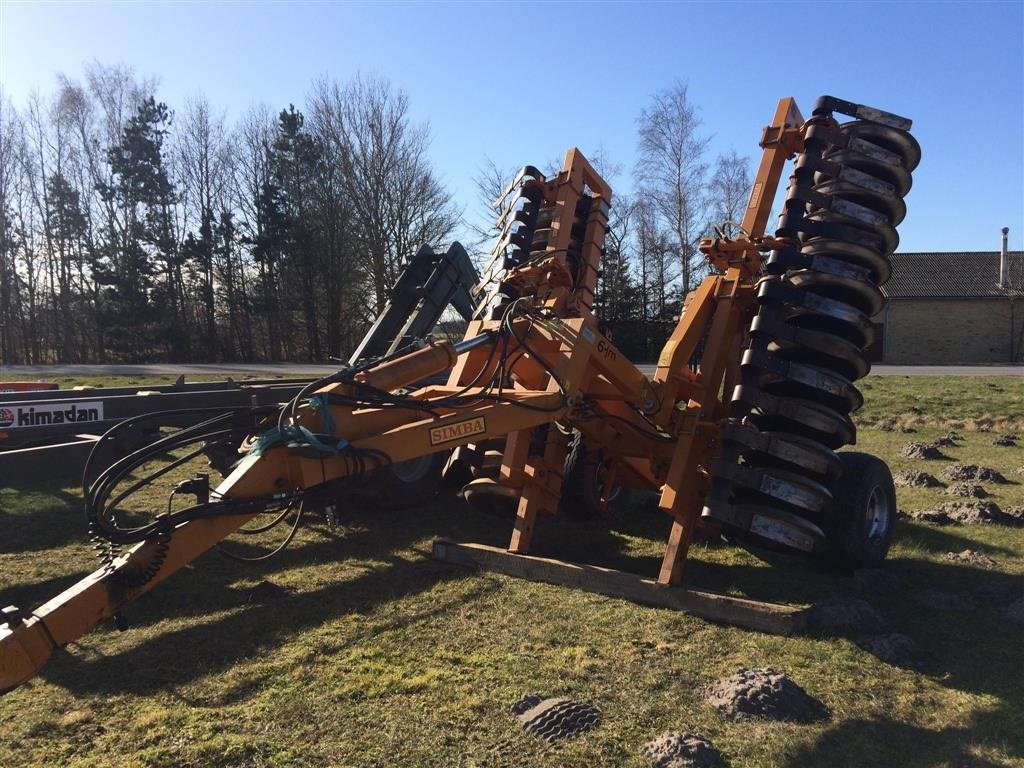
<point x="298" y="437"/>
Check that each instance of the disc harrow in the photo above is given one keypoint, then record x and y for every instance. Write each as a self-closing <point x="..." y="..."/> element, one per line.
<point x="775" y="478"/>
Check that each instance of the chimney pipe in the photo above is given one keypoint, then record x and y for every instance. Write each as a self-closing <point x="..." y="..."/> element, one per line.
<point x="1004" y="265"/>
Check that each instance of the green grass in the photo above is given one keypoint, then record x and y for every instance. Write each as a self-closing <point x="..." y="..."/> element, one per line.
<point x="952" y="402"/>
<point x="384" y="657"/>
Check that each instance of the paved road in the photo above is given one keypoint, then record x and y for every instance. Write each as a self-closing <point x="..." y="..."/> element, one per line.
<point x="302" y="369"/>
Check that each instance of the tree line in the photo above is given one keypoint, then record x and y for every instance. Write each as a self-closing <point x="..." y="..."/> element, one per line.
<point x="131" y="232"/>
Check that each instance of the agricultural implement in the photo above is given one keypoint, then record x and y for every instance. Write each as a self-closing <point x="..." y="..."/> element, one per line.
<point x="742" y="444"/>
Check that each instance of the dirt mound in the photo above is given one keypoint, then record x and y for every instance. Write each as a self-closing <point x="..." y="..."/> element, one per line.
<point x="921" y="451"/>
<point x="876" y="581"/>
<point x="557" y="719"/>
<point x="1016" y="515"/>
<point x="1014" y="612"/>
<point x="1007" y="441"/>
<point x="967" y="490"/>
<point x="893" y="648"/>
<point x="764" y="693"/>
<point x="1019" y="470"/>
<point x="946" y="601"/>
<point x="933" y="516"/>
<point x="846" y="615"/>
<point x="982" y="425"/>
<point x="970" y="557"/>
<point x="949" y="439"/>
<point x="968" y="512"/>
<point x="681" y="750"/>
<point x="907" y="430"/>
<point x="961" y="472"/>
<point x="913" y="478"/>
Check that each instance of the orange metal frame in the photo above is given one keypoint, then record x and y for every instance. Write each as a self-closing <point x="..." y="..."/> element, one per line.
<point x="659" y="433"/>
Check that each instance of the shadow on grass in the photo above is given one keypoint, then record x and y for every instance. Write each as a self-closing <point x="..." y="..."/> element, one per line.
<point x="596" y="542"/>
<point x="183" y="655"/>
<point x="975" y="649"/>
<point x="32" y="594"/>
<point x="946" y="539"/>
<point x="376" y="574"/>
<point x="37" y="521"/>
<point x="886" y="743"/>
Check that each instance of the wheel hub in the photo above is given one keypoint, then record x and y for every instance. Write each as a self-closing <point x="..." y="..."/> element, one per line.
<point x="877" y="514"/>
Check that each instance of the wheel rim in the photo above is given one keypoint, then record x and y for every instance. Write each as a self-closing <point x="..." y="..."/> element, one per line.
<point x="413" y="469"/>
<point x="877" y="514"/>
<point x="602" y="470"/>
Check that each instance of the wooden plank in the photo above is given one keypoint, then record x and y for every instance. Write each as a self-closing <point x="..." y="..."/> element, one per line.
<point x="774" y="618"/>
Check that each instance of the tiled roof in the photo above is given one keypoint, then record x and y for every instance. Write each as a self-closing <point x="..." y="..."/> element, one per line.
<point x="953" y="275"/>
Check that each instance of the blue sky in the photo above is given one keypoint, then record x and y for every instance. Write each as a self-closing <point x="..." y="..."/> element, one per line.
<point x="521" y="82"/>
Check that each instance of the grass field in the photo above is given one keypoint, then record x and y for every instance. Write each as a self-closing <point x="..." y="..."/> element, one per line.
<point x="380" y="656"/>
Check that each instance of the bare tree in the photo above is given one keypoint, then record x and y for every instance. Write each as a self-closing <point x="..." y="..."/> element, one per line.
<point x="90" y="130"/>
<point x="10" y="138"/>
<point x="670" y="173"/>
<point x="729" y="192"/>
<point x="659" y="268"/>
<point x="398" y="201"/>
<point x="489" y="182"/>
<point x="615" y="290"/>
<point x="253" y="198"/>
<point x="203" y="162"/>
<point x="605" y="165"/>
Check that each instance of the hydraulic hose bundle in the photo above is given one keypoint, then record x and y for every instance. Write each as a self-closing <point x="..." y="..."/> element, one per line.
<point x="775" y="477"/>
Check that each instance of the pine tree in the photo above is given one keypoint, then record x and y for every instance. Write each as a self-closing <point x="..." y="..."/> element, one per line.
<point x="140" y="242"/>
<point x="295" y="161"/>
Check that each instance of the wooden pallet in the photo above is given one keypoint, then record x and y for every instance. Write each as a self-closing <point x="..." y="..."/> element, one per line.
<point x="774" y="618"/>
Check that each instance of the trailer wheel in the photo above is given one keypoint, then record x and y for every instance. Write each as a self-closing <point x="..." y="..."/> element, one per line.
<point x="408" y="483"/>
<point x="864" y="512"/>
<point x="583" y="483"/>
<point x="492" y="498"/>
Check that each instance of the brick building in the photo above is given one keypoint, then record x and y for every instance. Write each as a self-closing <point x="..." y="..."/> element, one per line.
<point x="953" y="308"/>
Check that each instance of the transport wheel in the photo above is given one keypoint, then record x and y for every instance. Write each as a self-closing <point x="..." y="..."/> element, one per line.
<point x="408" y="483"/>
<point x="864" y="512"/>
<point x="491" y="498"/>
<point x="583" y="482"/>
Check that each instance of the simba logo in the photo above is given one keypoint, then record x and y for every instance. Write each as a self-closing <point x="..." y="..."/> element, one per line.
<point x="458" y="430"/>
<point x="47" y="414"/>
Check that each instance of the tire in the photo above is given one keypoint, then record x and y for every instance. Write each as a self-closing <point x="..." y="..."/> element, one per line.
<point x="582" y="483"/>
<point x="408" y="483"/>
<point x="864" y="512"/>
<point x="491" y="498"/>
<point x="458" y="467"/>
